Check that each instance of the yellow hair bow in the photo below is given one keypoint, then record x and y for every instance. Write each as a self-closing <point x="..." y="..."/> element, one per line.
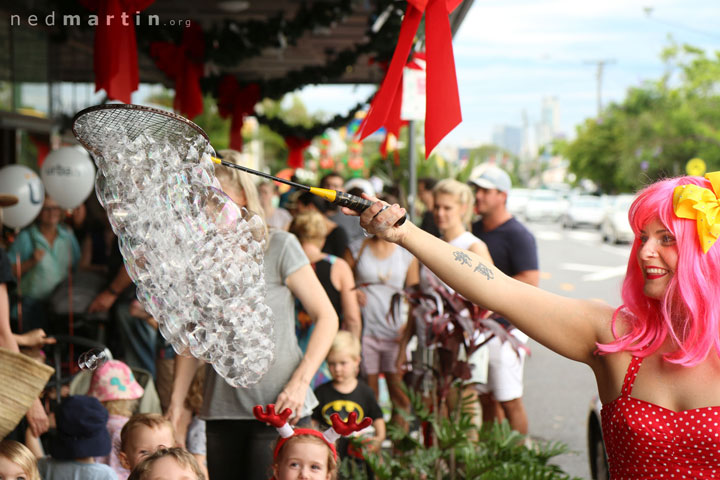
<point x="701" y="204"/>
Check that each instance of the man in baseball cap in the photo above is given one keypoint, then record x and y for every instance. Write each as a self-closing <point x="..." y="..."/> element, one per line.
<point x="493" y="178"/>
<point x="514" y="252"/>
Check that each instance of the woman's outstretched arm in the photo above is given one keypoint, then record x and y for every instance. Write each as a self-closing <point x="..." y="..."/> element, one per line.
<point x="567" y="326"/>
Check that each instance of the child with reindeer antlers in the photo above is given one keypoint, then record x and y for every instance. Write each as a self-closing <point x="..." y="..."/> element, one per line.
<point x="303" y="452"/>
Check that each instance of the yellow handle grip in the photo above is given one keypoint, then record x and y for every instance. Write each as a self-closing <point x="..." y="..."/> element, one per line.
<point x="327" y="194"/>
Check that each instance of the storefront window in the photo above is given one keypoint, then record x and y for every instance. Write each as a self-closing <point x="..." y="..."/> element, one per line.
<point x="31" y="94"/>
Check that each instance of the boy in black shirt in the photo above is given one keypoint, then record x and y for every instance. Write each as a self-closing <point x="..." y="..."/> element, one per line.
<point x="345" y="393"/>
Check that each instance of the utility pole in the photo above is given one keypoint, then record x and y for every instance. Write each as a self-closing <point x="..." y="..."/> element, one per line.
<point x="599" y="76"/>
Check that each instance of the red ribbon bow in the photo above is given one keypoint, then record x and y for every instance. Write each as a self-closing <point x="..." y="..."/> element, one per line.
<point x="116" y="61"/>
<point x="394" y="122"/>
<point x="296" y="147"/>
<point x="238" y="102"/>
<point x="442" y="112"/>
<point x="184" y="64"/>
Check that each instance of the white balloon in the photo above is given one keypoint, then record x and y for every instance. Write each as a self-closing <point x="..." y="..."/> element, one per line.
<point x="68" y="175"/>
<point x="25" y="184"/>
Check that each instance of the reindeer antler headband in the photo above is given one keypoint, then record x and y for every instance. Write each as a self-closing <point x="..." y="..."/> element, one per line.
<point x="338" y="429"/>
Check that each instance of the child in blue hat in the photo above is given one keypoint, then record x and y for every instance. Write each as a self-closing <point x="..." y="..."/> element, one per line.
<point x="81" y="436"/>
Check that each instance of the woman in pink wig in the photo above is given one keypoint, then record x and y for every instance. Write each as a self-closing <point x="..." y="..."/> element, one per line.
<point x="656" y="358"/>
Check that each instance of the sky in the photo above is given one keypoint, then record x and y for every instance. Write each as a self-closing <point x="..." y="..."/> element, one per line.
<point x="509" y="54"/>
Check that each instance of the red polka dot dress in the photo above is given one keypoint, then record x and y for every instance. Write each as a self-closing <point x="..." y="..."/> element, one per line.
<point x="645" y="441"/>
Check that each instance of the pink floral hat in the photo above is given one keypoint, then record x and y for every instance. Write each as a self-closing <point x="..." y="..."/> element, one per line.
<point x="114" y="381"/>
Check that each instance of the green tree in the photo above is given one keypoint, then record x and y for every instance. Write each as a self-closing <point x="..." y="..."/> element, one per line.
<point x="657" y="128"/>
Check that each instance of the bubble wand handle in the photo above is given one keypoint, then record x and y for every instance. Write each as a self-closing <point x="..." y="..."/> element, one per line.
<point x="342" y="199"/>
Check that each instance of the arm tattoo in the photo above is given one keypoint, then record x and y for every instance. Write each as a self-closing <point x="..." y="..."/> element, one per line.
<point x="484" y="271"/>
<point x="463" y="258"/>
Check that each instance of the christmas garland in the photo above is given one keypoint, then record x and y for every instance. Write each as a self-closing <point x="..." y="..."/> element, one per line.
<point x="234" y="42"/>
<point x="284" y="129"/>
<point x="380" y="46"/>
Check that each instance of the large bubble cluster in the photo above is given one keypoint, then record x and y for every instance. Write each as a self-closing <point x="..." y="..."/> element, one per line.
<point x="194" y="255"/>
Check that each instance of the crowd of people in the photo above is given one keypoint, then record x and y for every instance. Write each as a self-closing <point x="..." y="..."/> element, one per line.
<point x="333" y="280"/>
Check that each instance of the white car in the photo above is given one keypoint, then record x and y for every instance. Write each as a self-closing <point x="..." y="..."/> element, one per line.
<point x="517" y="200"/>
<point x="615" y="226"/>
<point x="584" y="210"/>
<point x="597" y="456"/>
<point x="544" y="205"/>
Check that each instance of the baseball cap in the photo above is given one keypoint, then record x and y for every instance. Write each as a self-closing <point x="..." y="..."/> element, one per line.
<point x="493" y="178"/>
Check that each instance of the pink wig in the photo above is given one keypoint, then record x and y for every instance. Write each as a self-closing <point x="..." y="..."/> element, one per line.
<point x="689" y="311"/>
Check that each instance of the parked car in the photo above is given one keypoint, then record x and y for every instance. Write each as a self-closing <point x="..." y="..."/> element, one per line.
<point x="584" y="210"/>
<point x="544" y="205"/>
<point x="597" y="456"/>
<point x="517" y="200"/>
<point x="615" y="226"/>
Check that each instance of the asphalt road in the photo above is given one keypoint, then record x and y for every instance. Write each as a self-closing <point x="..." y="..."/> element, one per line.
<point x="558" y="391"/>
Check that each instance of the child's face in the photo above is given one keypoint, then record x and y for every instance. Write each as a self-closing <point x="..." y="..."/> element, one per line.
<point x="305" y="460"/>
<point x="143" y="442"/>
<point x="343" y="366"/>
<point x="167" y="468"/>
<point x="10" y="470"/>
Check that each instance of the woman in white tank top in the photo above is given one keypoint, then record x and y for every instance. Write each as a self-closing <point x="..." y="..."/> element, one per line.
<point x="452" y="211"/>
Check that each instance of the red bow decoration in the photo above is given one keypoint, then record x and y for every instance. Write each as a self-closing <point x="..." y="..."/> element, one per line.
<point x="442" y="112"/>
<point x="394" y="121"/>
<point x="116" y="61"/>
<point x="184" y="64"/>
<point x="296" y="147"/>
<point x="42" y="146"/>
<point x="238" y="102"/>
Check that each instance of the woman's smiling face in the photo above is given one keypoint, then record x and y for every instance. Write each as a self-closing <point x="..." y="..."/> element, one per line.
<point x="658" y="257"/>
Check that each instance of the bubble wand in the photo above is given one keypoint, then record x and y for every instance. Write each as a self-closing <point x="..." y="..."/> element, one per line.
<point x="139" y="119"/>
<point x="342" y="199"/>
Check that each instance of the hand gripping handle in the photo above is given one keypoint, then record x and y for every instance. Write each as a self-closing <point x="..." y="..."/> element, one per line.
<point x="358" y="204"/>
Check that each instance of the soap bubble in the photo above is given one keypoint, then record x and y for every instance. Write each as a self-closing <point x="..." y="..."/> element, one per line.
<point x="194" y="255"/>
<point x="92" y="359"/>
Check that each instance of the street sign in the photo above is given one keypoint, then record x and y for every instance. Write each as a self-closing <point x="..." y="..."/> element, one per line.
<point x="413" y="100"/>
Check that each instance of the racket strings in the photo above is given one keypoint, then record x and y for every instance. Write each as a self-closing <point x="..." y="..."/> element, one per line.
<point x="134" y="121"/>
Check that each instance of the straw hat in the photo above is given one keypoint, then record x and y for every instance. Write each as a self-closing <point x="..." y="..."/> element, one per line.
<point x="22" y="380"/>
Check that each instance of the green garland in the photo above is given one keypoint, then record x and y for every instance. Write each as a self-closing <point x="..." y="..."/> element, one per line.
<point x="380" y="45"/>
<point x="284" y="129"/>
<point x="234" y="42"/>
